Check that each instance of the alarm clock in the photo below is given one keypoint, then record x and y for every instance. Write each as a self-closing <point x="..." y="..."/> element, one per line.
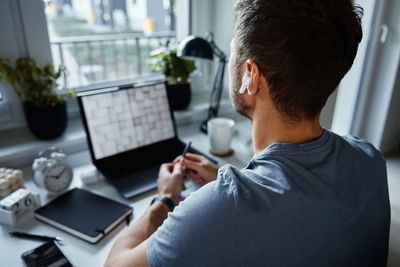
<point x="51" y="172"/>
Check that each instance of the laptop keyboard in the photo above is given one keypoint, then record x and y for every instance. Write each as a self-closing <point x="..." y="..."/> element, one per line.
<point x="133" y="182"/>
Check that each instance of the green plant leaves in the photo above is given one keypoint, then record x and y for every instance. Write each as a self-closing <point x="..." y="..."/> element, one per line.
<point x="174" y="68"/>
<point x="33" y="84"/>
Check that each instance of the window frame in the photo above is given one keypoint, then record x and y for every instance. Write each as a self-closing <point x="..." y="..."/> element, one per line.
<point x="5" y="117"/>
<point x="12" y="47"/>
<point x="28" y="24"/>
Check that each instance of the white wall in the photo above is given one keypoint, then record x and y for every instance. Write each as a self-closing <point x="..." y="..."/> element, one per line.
<point x="218" y="17"/>
<point x="203" y="17"/>
<point x="391" y="134"/>
<point x="375" y="111"/>
<point x="348" y="90"/>
<point x="24" y="31"/>
<point x="35" y="30"/>
<point x="9" y="48"/>
<point x="224" y="23"/>
<point x="368" y="103"/>
<point x="182" y="19"/>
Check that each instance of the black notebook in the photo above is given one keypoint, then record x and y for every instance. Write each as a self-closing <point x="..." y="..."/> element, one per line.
<point x="84" y="214"/>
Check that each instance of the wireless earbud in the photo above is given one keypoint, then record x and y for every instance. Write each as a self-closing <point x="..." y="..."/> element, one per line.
<point x="245" y="83"/>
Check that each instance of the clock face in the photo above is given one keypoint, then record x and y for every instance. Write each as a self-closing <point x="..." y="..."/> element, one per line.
<point x="57" y="177"/>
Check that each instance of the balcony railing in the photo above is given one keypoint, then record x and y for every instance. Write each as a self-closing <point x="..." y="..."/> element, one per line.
<point x="104" y="58"/>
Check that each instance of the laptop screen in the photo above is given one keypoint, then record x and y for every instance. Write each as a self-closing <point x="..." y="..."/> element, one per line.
<point x="127" y="119"/>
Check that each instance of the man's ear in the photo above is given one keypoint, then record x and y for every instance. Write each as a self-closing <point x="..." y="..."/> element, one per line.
<point x="254" y="72"/>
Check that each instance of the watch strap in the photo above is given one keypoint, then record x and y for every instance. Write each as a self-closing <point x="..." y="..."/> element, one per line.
<point x="164" y="199"/>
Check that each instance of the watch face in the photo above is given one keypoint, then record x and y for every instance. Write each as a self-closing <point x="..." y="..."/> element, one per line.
<point x="57" y="177"/>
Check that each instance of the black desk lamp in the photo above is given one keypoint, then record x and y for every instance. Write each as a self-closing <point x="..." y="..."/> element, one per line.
<point x="198" y="47"/>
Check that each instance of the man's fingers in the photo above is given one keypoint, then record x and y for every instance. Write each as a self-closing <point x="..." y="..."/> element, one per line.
<point x="193" y="174"/>
<point x="190" y="164"/>
<point x="177" y="159"/>
<point x="177" y="169"/>
<point x="190" y="156"/>
<point x="166" y="168"/>
<point x="193" y="157"/>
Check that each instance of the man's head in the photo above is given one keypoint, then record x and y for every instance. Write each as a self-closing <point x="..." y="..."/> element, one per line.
<point x="302" y="48"/>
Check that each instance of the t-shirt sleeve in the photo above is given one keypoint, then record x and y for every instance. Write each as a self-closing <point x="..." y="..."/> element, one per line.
<point x="199" y="232"/>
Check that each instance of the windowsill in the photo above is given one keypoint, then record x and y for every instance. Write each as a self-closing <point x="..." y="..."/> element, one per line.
<point x="18" y="147"/>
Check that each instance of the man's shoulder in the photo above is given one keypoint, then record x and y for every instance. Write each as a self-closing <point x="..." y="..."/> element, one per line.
<point x="227" y="189"/>
<point x="224" y="187"/>
<point x="363" y="146"/>
<point x="215" y="194"/>
<point x="263" y="177"/>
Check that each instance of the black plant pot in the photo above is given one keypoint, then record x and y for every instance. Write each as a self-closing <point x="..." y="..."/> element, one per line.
<point x="179" y="95"/>
<point x="46" y="122"/>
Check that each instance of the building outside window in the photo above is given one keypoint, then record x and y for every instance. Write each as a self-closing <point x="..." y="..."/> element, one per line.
<point x="101" y="41"/>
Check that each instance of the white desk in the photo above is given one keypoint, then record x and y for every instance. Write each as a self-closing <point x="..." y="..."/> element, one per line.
<point x="82" y="253"/>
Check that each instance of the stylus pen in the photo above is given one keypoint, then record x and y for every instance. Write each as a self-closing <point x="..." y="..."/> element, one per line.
<point x="33" y="236"/>
<point x="185" y="150"/>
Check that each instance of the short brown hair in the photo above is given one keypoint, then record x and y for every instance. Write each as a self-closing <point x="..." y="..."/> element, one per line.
<point x="303" y="48"/>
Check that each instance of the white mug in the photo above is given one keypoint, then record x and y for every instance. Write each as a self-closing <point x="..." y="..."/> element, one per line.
<point x="220" y="132"/>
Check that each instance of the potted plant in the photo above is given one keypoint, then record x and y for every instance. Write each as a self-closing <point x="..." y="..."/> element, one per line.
<point x="45" y="109"/>
<point x="177" y="71"/>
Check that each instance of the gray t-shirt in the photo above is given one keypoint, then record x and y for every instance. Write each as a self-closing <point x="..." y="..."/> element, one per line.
<point x="324" y="203"/>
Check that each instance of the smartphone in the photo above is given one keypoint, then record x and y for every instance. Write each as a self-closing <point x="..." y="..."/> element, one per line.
<point x="47" y="254"/>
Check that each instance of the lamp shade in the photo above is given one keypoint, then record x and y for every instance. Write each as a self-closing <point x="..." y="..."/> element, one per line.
<point x="197" y="47"/>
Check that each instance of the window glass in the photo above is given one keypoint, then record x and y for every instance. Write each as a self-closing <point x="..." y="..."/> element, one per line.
<point x="107" y="40"/>
<point x="4" y="109"/>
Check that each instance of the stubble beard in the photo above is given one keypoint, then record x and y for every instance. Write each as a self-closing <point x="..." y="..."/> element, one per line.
<point x="237" y="100"/>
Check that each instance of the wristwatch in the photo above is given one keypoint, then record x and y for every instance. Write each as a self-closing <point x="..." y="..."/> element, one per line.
<point x="164" y="199"/>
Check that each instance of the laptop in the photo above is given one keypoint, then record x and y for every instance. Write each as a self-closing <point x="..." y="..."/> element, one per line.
<point x="130" y="131"/>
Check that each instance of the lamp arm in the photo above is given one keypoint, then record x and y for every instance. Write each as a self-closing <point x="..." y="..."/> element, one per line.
<point x="216" y="92"/>
<point x="218" y="52"/>
<point x="211" y="104"/>
<point x="220" y="87"/>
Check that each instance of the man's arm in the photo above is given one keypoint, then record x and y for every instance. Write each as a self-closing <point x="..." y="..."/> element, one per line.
<point x="130" y="247"/>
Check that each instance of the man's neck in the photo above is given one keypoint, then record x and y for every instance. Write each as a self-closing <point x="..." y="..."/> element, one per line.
<point x="268" y="130"/>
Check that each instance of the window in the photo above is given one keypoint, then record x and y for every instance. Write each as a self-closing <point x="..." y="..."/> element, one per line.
<point x="107" y="40"/>
<point x="4" y="110"/>
<point x="93" y="44"/>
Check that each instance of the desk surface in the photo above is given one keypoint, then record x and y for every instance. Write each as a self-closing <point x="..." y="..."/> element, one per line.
<point x="82" y="253"/>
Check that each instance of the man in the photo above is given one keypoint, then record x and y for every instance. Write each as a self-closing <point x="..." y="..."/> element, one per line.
<point x="308" y="197"/>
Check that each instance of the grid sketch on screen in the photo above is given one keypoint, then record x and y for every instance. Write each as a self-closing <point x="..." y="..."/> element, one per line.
<point x="127" y="119"/>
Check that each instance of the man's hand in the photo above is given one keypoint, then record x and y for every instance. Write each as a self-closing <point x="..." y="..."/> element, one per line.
<point x="170" y="180"/>
<point x="130" y="248"/>
<point x="199" y="168"/>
